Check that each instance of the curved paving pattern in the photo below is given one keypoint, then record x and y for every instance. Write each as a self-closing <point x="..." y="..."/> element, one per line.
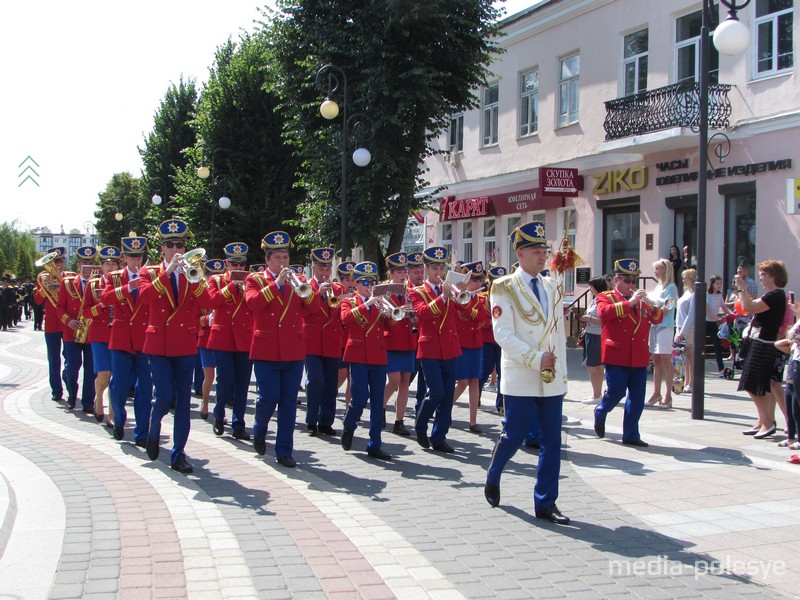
<point x="102" y="521"/>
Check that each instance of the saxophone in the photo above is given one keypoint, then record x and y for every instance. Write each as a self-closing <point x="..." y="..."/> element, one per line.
<point x="82" y="332"/>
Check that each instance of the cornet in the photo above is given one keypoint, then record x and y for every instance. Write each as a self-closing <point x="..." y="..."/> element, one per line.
<point x="395" y="313"/>
<point x="192" y="265"/>
<point x="667" y="303"/>
<point x="301" y="288"/>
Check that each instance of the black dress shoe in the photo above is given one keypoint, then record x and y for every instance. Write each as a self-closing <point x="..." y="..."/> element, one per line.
<point x="142" y="443"/>
<point x="88" y="411"/>
<point x="347" y="439"/>
<point x="241" y="435"/>
<point x="260" y="446"/>
<point x="71" y="402"/>
<point x="219" y="426"/>
<point x="422" y="439"/>
<point x="182" y="466"/>
<point x="534" y="445"/>
<point x="57" y="397"/>
<point x="752" y="431"/>
<point x="99" y="417"/>
<point x="204" y="416"/>
<point x="400" y="428"/>
<point x="443" y="447"/>
<point x="152" y="448"/>
<point x="769" y="432"/>
<point x="600" y="428"/>
<point x="379" y="454"/>
<point x="287" y="461"/>
<point x="119" y="433"/>
<point x="326" y="429"/>
<point x="475" y="428"/>
<point x="552" y="514"/>
<point x="639" y="443"/>
<point x="312" y="429"/>
<point x="492" y="494"/>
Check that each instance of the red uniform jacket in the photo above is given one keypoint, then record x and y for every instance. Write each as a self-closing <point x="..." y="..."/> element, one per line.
<point x="437" y="321"/>
<point x="70" y="304"/>
<point x="625" y="331"/>
<point x="486" y="324"/>
<point x="51" y="322"/>
<point x="470" y="321"/>
<point x="365" y="343"/>
<point x="322" y="328"/>
<point x="94" y="309"/>
<point x="400" y="336"/>
<point x="277" y="318"/>
<point x="204" y="330"/>
<point x="173" y="321"/>
<point x="128" y="313"/>
<point x="232" y="327"/>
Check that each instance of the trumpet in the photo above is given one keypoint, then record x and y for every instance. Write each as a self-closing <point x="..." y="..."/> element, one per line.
<point x="395" y="313"/>
<point x="667" y="303"/>
<point x="192" y="265"/>
<point x="461" y="296"/>
<point x="301" y="288"/>
<point x="332" y="299"/>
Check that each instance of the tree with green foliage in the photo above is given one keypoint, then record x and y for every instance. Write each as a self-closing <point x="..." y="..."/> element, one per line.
<point x="409" y="67"/>
<point x="164" y="155"/>
<point x="18" y="250"/>
<point x="121" y="197"/>
<point x="239" y="139"/>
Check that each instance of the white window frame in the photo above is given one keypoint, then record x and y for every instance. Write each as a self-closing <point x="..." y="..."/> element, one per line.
<point x="490" y="116"/>
<point x="489" y="243"/>
<point x="456" y="130"/>
<point x="636" y="60"/>
<point x="467" y="247"/>
<point x="694" y="41"/>
<point x="446" y="235"/>
<point x="528" y="105"/>
<point x="571" y="87"/>
<point x="773" y="19"/>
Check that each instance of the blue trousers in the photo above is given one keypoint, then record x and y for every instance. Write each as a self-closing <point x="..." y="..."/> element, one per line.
<point x="619" y="382"/>
<point x="440" y="377"/>
<point x="53" y="342"/>
<point x="76" y="356"/>
<point x="367" y="382"/>
<point x="321" y="391"/>
<point x="491" y="361"/>
<point x="278" y="383"/>
<point x="128" y="370"/>
<point x="233" y="381"/>
<point x="198" y="376"/>
<point x="172" y="379"/>
<point x="523" y="413"/>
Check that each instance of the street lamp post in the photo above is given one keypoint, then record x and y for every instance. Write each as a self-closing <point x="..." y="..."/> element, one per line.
<point x="333" y="79"/>
<point x="219" y="195"/>
<point x="731" y="37"/>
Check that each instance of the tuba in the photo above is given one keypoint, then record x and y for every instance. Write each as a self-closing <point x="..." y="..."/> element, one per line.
<point x="49" y="280"/>
<point x="192" y="266"/>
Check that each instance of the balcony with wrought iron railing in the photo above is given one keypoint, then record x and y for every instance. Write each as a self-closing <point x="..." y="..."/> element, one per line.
<point x="676" y="105"/>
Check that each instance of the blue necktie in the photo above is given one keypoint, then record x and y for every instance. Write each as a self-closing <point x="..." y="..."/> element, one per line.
<point x="174" y="280"/>
<point x="135" y="291"/>
<point x="535" y="287"/>
<point x="438" y="290"/>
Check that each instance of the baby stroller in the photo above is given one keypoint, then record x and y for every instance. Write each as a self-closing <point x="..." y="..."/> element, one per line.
<point x="730" y="332"/>
<point x="678" y="364"/>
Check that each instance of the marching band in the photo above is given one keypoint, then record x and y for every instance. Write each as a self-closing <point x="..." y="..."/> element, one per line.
<point x="145" y="326"/>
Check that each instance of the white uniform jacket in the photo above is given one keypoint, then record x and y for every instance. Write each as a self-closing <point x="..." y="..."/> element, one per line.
<point x="524" y="333"/>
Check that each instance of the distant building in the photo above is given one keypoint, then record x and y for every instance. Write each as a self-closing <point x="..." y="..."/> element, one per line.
<point x="74" y="239"/>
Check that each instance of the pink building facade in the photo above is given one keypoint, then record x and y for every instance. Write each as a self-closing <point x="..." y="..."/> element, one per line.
<point x="605" y="88"/>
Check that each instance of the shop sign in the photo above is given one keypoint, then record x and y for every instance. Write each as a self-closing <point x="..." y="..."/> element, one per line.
<point x="467" y="208"/>
<point x="625" y="180"/>
<point x="559" y="182"/>
<point x="748" y="169"/>
<point x="521" y="201"/>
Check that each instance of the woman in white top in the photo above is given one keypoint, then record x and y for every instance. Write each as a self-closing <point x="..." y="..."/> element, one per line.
<point x="661" y="335"/>
<point x="684" y="324"/>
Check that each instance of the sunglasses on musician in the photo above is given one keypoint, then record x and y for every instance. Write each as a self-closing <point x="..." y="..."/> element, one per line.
<point x="178" y="245"/>
<point x="628" y="280"/>
<point x="366" y="282"/>
<point x="237" y="263"/>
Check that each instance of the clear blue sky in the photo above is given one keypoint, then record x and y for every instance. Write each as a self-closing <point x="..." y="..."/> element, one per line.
<point x="82" y="83"/>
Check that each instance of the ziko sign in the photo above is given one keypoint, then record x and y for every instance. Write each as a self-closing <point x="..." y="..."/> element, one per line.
<point x="559" y="182"/>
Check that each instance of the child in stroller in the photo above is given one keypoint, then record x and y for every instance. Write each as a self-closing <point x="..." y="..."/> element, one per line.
<point x="730" y="332"/>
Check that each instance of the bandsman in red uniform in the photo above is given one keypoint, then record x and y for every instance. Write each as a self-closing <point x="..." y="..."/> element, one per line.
<point x="365" y="350"/>
<point x="471" y="320"/>
<point x="171" y="338"/>
<point x="437" y="319"/>
<point x="48" y="282"/>
<point x="345" y="273"/>
<point x="416" y="275"/>
<point x="98" y="316"/>
<point x="207" y="356"/>
<point x="130" y="367"/>
<point x="401" y="345"/>
<point x="231" y="337"/>
<point x="625" y="316"/>
<point x="77" y="351"/>
<point x="278" y="347"/>
<point x="324" y="340"/>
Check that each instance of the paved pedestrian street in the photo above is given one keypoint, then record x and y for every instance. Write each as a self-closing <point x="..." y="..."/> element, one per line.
<point x="704" y="512"/>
